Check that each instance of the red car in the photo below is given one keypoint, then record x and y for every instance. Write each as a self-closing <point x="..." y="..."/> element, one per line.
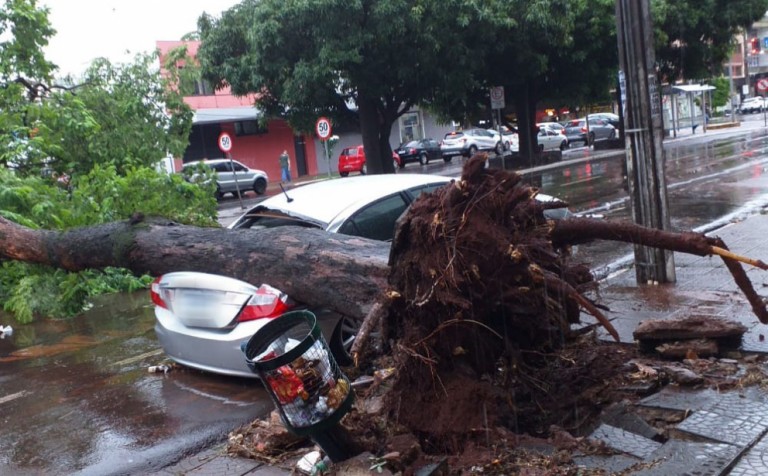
<point x="352" y="159"/>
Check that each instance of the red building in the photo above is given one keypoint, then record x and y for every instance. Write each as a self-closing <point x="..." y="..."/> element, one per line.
<point x="255" y="146"/>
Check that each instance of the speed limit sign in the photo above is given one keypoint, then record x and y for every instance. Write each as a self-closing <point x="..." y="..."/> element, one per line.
<point x="323" y="128"/>
<point x="225" y="142"/>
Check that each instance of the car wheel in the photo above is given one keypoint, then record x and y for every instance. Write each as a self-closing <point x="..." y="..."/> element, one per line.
<point x="499" y="148"/>
<point x="472" y="151"/>
<point x="364" y="170"/>
<point x="342" y="339"/>
<point x="260" y="186"/>
<point x="541" y="148"/>
<point x="591" y="139"/>
<point x="423" y="160"/>
<point x="343" y="174"/>
<point x="447" y="159"/>
<point x="218" y="194"/>
<point x="563" y="145"/>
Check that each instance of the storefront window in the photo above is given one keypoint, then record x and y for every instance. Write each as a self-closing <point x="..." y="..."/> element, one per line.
<point x="410" y="127"/>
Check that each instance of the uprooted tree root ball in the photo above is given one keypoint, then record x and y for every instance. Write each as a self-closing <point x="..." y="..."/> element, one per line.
<point x="483" y="300"/>
<point x="482" y="296"/>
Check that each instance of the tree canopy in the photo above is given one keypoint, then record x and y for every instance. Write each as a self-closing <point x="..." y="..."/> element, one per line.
<point x="371" y="59"/>
<point x="695" y="37"/>
<point x="106" y="131"/>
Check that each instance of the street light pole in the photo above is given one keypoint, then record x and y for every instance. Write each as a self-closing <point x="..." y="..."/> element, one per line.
<point x="643" y="126"/>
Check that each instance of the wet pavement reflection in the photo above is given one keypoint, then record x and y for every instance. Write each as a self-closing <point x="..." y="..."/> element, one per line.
<point x="77" y="398"/>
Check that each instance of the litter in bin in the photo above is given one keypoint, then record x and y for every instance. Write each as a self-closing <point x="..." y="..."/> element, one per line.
<point x="306" y="387"/>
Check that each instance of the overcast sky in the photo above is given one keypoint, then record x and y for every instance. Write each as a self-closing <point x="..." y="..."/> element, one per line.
<point x="88" y="29"/>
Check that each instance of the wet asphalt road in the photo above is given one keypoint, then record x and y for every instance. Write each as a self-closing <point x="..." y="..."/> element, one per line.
<point x="76" y="397"/>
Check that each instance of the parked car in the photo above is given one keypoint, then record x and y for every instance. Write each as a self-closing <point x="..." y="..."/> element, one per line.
<point x="752" y="105"/>
<point x="509" y="138"/>
<point x="468" y="142"/>
<point x="576" y="130"/>
<point x="231" y="176"/>
<point x="352" y="159"/>
<point x="201" y="320"/>
<point x="550" y="139"/>
<point x="421" y="151"/>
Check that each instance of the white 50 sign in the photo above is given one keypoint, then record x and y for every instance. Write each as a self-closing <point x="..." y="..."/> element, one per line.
<point x="323" y="128"/>
<point x="225" y="142"/>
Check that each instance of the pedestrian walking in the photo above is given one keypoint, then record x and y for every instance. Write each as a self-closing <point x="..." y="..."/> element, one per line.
<point x="285" y="167"/>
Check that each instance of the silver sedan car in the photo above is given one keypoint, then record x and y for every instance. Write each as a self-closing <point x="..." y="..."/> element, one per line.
<point x="202" y="320"/>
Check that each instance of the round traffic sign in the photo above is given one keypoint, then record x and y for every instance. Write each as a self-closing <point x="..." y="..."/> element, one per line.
<point x="225" y="142"/>
<point x="323" y="128"/>
<point x="762" y="84"/>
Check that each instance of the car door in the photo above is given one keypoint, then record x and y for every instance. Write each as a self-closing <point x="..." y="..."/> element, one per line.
<point x="243" y="175"/>
<point x="547" y="139"/>
<point x="224" y="176"/>
<point x="487" y="139"/>
<point x="600" y="128"/>
<point x="433" y="148"/>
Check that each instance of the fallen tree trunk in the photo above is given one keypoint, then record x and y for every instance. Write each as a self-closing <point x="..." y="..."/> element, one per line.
<point x="338" y="272"/>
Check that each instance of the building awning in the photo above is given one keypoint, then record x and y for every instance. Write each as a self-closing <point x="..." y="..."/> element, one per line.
<point x="226" y="114"/>
<point x="693" y="88"/>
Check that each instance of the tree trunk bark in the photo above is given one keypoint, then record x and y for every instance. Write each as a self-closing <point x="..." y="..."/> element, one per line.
<point x="338" y="272"/>
<point x="375" y="136"/>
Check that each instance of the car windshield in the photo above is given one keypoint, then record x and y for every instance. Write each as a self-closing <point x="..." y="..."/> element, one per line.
<point x="454" y="135"/>
<point x="263" y="217"/>
<point x="413" y="143"/>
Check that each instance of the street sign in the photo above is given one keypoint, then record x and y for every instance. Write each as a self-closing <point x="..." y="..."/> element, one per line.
<point x="225" y="142"/>
<point x="323" y="128"/>
<point x="497" y="97"/>
<point x="762" y="85"/>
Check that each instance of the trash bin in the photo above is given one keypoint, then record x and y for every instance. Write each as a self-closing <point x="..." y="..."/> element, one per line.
<point x="293" y="361"/>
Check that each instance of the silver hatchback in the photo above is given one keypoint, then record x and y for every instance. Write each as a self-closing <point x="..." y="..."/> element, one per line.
<point x="231" y="176"/>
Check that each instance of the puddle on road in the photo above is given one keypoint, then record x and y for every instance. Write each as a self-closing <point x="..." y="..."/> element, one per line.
<point x="76" y="393"/>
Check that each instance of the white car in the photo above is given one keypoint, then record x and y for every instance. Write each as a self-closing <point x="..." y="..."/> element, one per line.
<point x="551" y="139"/>
<point x="231" y="176"/>
<point x="752" y="105"/>
<point x="468" y="142"/>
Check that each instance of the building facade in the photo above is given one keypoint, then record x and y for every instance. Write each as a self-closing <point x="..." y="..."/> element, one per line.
<point x="259" y="146"/>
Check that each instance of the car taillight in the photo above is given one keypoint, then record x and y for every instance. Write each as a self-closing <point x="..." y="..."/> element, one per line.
<point x="267" y="302"/>
<point x="413" y="152"/>
<point x="160" y="297"/>
<point x="583" y="129"/>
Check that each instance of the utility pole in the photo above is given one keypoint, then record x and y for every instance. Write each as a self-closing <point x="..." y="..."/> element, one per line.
<point x="644" y="131"/>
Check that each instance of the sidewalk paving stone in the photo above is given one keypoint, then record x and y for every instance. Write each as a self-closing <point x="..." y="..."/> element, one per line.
<point x="625" y="441"/>
<point x="684" y="458"/>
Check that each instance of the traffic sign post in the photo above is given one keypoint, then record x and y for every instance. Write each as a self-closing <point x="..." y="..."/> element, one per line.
<point x="323" y="130"/>
<point x="225" y="145"/>
<point x="497" y="103"/>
